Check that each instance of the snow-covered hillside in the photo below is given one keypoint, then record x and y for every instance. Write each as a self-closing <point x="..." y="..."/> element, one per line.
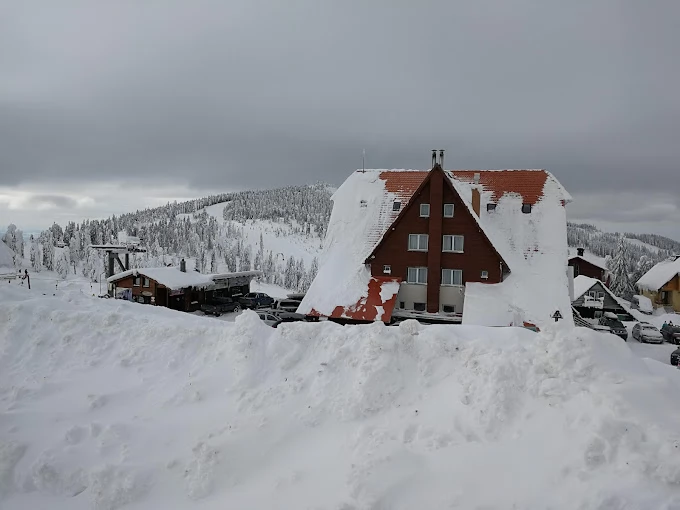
<point x="107" y="404"/>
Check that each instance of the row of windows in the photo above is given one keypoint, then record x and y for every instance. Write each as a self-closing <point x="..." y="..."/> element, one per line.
<point x="138" y="280"/>
<point x="448" y="208"/>
<point x="449" y="276"/>
<point x="450" y="243"/>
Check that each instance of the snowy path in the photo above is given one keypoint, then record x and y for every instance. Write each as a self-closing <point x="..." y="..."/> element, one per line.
<point x="107" y="404"/>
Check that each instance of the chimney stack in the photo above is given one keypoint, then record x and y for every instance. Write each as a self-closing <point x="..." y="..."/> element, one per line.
<point x="476" y="178"/>
<point x="434" y="157"/>
<point x="476" y="195"/>
<point x="580" y="251"/>
<point x="441" y="158"/>
<point x="183" y="266"/>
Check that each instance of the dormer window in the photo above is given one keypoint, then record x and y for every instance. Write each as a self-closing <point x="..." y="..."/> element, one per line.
<point x="526" y="208"/>
<point x="396" y="206"/>
<point x="490" y="206"/>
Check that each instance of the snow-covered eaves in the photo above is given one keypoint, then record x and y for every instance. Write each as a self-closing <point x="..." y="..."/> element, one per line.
<point x="238" y="274"/>
<point x="660" y="274"/>
<point x="170" y="277"/>
<point x="589" y="257"/>
<point x="376" y="305"/>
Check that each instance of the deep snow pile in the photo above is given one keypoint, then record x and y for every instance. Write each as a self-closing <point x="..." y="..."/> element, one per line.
<point x="106" y="404"/>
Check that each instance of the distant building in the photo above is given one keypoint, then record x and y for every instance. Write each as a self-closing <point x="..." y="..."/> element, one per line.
<point x="176" y="289"/>
<point x="661" y="284"/>
<point x="589" y="265"/>
<point x="488" y="247"/>
<point x="592" y="298"/>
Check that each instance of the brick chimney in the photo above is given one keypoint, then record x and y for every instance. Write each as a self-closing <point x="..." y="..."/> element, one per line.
<point x="476" y="196"/>
<point x="580" y="251"/>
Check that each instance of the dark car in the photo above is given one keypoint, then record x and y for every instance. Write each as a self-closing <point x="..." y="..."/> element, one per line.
<point x="675" y="357"/>
<point x="256" y="300"/>
<point x="615" y="325"/>
<point x="219" y="305"/>
<point x="671" y="333"/>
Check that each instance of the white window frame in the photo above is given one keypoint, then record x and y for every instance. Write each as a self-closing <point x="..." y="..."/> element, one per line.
<point x="453" y="243"/>
<point x="387" y="269"/>
<point x="491" y="206"/>
<point x="136" y="281"/>
<point x="600" y="295"/>
<point x="425" y="214"/>
<point x="526" y="208"/>
<point x="396" y="206"/>
<point x="453" y="211"/>
<point x="419" y="242"/>
<point x="484" y="275"/>
<point x="452" y="277"/>
<point x="420" y="275"/>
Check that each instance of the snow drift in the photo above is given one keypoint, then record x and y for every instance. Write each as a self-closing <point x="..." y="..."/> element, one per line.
<point x="108" y="404"/>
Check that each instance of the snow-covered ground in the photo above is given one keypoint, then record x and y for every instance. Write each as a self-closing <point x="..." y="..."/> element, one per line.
<point x="109" y="404"/>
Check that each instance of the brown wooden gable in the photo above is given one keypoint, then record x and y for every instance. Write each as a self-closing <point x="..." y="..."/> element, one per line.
<point x="449" y="193"/>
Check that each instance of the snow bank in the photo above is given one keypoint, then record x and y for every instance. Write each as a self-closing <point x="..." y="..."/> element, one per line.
<point x="108" y="404"/>
<point x="6" y="258"/>
<point x="660" y="274"/>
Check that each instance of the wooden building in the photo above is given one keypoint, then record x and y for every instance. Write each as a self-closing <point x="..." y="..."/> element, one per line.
<point x="176" y="289"/>
<point x="661" y="284"/>
<point x="588" y="266"/>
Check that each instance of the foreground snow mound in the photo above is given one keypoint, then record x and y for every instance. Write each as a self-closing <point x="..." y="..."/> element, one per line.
<point x="108" y="404"/>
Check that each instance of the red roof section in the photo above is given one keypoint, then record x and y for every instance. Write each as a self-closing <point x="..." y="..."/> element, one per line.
<point x="367" y="308"/>
<point x="527" y="183"/>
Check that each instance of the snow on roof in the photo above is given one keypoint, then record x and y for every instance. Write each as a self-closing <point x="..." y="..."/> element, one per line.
<point x="588" y="257"/>
<point x="171" y="277"/>
<point x="583" y="284"/>
<point x="533" y="245"/>
<point x="6" y="256"/>
<point x="377" y="304"/>
<point x="660" y="274"/>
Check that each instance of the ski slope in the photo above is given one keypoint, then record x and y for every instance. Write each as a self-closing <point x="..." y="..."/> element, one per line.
<point x="109" y="404"/>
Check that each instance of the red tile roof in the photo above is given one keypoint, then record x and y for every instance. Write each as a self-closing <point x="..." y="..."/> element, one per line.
<point x="527" y="183"/>
<point x="368" y="307"/>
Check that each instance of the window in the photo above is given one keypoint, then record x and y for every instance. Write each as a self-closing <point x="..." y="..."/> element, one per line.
<point x="576" y="270"/>
<point x="448" y="210"/>
<point x="597" y="314"/>
<point x="424" y="210"/>
<point x="417" y="242"/>
<point x="484" y="275"/>
<point x="146" y="282"/>
<point x="490" y="206"/>
<point x="416" y="275"/>
<point x="419" y="307"/>
<point x="452" y="277"/>
<point x="137" y="282"/>
<point x="600" y="295"/>
<point x="448" y="309"/>
<point x="387" y="269"/>
<point x="526" y="208"/>
<point x="363" y="203"/>
<point x="592" y="294"/>
<point x="396" y="206"/>
<point x="402" y="305"/>
<point x="453" y="244"/>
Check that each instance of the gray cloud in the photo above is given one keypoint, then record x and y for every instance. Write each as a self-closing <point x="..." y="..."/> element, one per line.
<point x="232" y="95"/>
<point x="50" y="201"/>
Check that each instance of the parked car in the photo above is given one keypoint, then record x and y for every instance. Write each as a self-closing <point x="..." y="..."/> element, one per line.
<point x="219" y="305"/>
<point x="288" y="305"/>
<point x="275" y="317"/>
<point x="642" y="303"/>
<point x="610" y="319"/>
<point x="671" y="333"/>
<point x="269" y="319"/>
<point x="647" y="333"/>
<point x="256" y="300"/>
<point x="675" y="357"/>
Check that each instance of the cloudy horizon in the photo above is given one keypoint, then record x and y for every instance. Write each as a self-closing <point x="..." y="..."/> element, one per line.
<point x="108" y="107"/>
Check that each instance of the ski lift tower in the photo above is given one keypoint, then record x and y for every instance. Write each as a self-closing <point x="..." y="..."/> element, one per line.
<point x="113" y="252"/>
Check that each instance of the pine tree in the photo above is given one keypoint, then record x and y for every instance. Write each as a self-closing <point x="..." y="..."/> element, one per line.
<point x="289" y="280"/>
<point x="213" y="262"/>
<point x="36" y="262"/>
<point x="621" y="284"/>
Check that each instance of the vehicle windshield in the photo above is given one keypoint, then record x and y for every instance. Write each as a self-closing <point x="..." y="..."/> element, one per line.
<point x="613" y="323"/>
<point x="250" y="295"/>
<point x="651" y="328"/>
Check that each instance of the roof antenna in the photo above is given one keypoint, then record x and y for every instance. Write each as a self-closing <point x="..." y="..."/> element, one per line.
<point x="363" y="161"/>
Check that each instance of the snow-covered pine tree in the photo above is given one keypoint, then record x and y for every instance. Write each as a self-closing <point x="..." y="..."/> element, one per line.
<point x="48" y="250"/>
<point x="621" y="284"/>
<point x="643" y="265"/>
<point x="61" y="264"/>
<point x="289" y="280"/>
<point x="213" y="262"/>
<point x="247" y="258"/>
<point x="36" y="259"/>
<point x="299" y="274"/>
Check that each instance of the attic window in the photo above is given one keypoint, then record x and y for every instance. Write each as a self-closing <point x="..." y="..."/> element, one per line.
<point x="424" y="210"/>
<point x="448" y="210"/>
<point x="363" y="203"/>
<point x="526" y="208"/>
<point x="485" y="275"/>
<point x="396" y="206"/>
<point x="490" y="206"/>
<point x="387" y="269"/>
<point x="137" y="281"/>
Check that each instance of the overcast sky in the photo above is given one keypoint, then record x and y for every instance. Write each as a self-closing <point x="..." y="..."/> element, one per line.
<point x="108" y="106"/>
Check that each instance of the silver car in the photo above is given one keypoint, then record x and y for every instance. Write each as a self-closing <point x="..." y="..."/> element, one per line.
<point x="647" y="333"/>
